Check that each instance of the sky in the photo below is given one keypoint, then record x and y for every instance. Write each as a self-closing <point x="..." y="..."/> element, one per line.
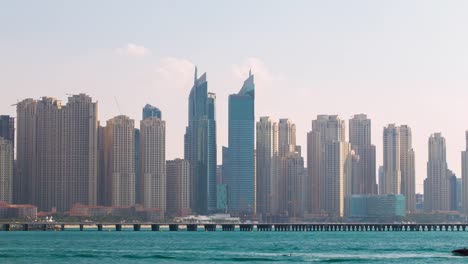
<point x="403" y="62"/>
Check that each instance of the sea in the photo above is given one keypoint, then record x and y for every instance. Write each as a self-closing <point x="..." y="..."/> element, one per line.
<point x="127" y="246"/>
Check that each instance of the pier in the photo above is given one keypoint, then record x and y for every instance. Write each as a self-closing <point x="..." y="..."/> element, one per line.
<point x="243" y="227"/>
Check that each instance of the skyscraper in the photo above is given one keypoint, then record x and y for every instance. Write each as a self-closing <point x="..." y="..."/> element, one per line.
<point x="200" y="146"/>
<point x="407" y="167"/>
<point x="153" y="163"/>
<point x="26" y="151"/>
<point x="293" y="169"/>
<point x="178" y="187"/>
<point x="391" y="160"/>
<point x="151" y="111"/>
<point x="326" y="129"/>
<point x="6" y="170"/>
<point x="464" y="157"/>
<point x="363" y="176"/>
<point x="286" y="137"/>
<point x="241" y="164"/>
<point x="267" y="167"/>
<point x="7" y="146"/>
<point x="119" y="167"/>
<point x="436" y="185"/>
<point x="7" y="128"/>
<point x="337" y="180"/>
<point x="57" y="152"/>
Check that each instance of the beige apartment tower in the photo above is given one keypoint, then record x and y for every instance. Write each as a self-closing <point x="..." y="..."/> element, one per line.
<point x="57" y="152"/>
<point x="436" y="185"/>
<point x="293" y="167"/>
<point x="464" y="156"/>
<point x="153" y="162"/>
<point x="407" y="168"/>
<point x="337" y="180"/>
<point x="178" y="189"/>
<point x="391" y="160"/>
<point x="6" y="170"/>
<point x="326" y="129"/>
<point x="363" y="175"/>
<point x="119" y="167"/>
<point x="267" y="174"/>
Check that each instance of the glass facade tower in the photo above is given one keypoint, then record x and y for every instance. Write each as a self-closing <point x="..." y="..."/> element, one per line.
<point x="241" y="164"/>
<point x="200" y="146"/>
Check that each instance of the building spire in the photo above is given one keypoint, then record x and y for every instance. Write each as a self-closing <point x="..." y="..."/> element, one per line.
<point x="250" y="72"/>
<point x="196" y="75"/>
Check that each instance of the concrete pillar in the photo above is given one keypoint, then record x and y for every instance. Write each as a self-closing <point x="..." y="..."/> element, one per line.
<point x="99" y="227"/>
<point x="81" y="227"/>
<point x="6" y="227"/>
<point x="136" y="227"/>
<point x="118" y="227"/>
<point x="154" y="227"/>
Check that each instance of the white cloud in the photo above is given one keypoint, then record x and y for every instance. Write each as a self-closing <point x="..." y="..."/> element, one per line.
<point x="133" y="50"/>
<point x="176" y="72"/>
<point x="259" y="69"/>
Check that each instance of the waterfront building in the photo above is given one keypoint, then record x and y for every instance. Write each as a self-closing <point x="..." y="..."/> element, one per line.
<point x="178" y="187"/>
<point x="337" y="180"/>
<point x="200" y="146"/>
<point x="137" y="162"/>
<point x="267" y="167"/>
<point x="286" y="145"/>
<point x="6" y="170"/>
<point x="222" y="197"/>
<point x="407" y="168"/>
<point x="363" y="174"/>
<point x="119" y="167"/>
<point x="377" y="208"/>
<point x="57" y="152"/>
<point x="391" y="183"/>
<point x="293" y="171"/>
<point x="464" y="156"/>
<point x="241" y="159"/>
<point x="436" y="185"/>
<point x="326" y="129"/>
<point x="153" y="163"/>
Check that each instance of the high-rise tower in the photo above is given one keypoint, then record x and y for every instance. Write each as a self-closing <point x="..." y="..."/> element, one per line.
<point x="464" y="157"/>
<point x="241" y="164"/>
<point x="363" y="175"/>
<point x="119" y="167"/>
<point x="267" y="167"/>
<point x="436" y="185"/>
<point x="57" y="152"/>
<point x="200" y="146"/>
<point x="153" y="163"/>
<point x="326" y="129"/>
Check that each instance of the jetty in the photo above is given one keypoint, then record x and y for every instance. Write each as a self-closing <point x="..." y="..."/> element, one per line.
<point x="249" y="227"/>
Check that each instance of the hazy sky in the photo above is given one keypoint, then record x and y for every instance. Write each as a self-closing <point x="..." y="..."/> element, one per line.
<point x="403" y="62"/>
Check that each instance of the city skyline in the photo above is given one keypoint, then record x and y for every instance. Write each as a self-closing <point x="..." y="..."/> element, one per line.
<point x="379" y="50"/>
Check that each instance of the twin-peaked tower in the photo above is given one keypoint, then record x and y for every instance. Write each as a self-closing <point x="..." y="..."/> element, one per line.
<point x="363" y="175"/>
<point x="398" y="164"/>
<point x="200" y="146"/>
<point x="240" y="164"/>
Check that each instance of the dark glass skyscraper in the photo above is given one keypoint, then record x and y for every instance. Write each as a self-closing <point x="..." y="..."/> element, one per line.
<point x="200" y="146"/>
<point x="241" y="159"/>
<point x="7" y="128"/>
<point x="151" y="111"/>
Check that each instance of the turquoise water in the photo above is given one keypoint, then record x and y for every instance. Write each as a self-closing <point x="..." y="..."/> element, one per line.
<point x="229" y="247"/>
